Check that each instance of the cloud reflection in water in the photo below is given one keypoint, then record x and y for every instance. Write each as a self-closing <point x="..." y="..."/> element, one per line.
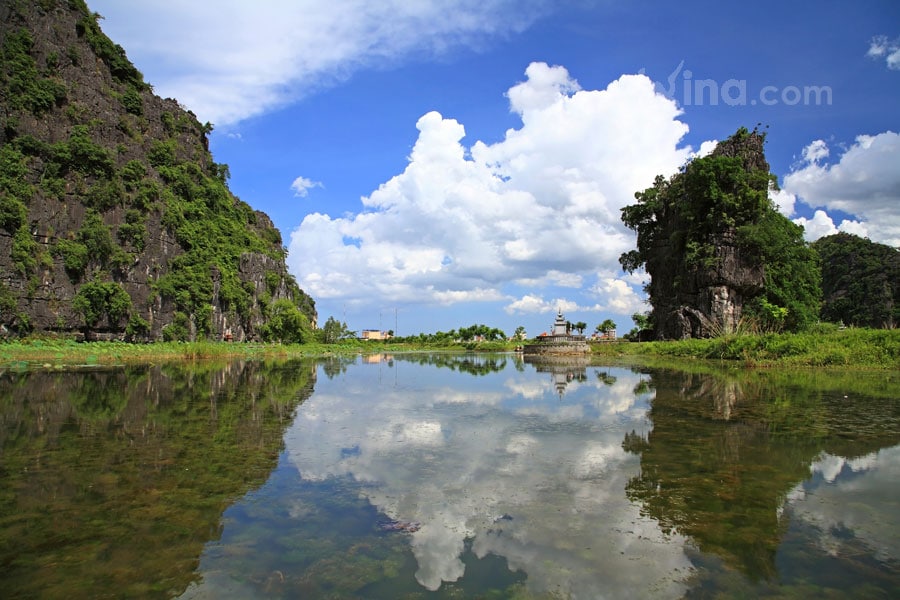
<point x="524" y="473"/>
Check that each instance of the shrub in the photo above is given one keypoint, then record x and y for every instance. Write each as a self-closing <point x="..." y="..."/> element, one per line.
<point x="111" y="54"/>
<point x="104" y="195"/>
<point x="15" y="192"/>
<point x="132" y="101"/>
<point x="286" y="324"/>
<point x="133" y="231"/>
<point x="132" y="173"/>
<point x="136" y="328"/>
<point x="74" y="255"/>
<point x="178" y="330"/>
<point x="162" y="153"/>
<point x="25" y="88"/>
<point x="24" y="251"/>
<point x="95" y="300"/>
<point x="82" y="154"/>
<point x="96" y="237"/>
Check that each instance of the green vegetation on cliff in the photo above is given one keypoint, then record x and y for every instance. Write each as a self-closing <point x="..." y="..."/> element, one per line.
<point x="103" y="184"/>
<point x="717" y="250"/>
<point x="860" y="281"/>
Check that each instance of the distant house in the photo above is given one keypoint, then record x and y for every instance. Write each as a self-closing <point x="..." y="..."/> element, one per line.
<point x="607" y="336"/>
<point x="374" y="334"/>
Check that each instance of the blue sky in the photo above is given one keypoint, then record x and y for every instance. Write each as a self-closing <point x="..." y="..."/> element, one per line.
<point x="434" y="164"/>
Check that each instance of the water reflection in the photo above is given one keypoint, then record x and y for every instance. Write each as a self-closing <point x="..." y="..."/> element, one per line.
<point x="563" y="369"/>
<point x="472" y="364"/>
<point x="447" y="476"/>
<point x="728" y="462"/>
<point x="536" y="482"/>
<point x="112" y="480"/>
<point x="656" y="483"/>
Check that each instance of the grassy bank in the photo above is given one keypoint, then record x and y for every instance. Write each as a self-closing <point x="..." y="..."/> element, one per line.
<point x="822" y="347"/>
<point x="57" y="352"/>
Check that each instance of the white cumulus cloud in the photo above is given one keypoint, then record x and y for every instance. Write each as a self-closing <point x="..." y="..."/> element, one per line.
<point x="540" y="207"/>
<point x="863" y="183"/>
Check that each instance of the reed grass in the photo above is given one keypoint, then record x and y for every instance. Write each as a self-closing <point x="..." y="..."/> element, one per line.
<point x="821" y="346"/>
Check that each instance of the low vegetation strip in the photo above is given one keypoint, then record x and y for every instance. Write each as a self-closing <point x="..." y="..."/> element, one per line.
<point x="820" y="347"/>
<point x="58" y="352"/>
<point x="823" y="346"/>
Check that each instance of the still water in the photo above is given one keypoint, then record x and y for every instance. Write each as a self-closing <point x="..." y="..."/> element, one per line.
<point x="447" y="476"/>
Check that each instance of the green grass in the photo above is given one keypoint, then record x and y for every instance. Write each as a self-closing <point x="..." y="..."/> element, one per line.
<point x="822" y="346"/>
<point x="50" y="352"/>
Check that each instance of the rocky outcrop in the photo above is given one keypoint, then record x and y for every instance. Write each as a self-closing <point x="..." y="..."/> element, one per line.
<point x="709" y="297"/>
<point x="709" y="301"/>
<point x="104" y="183"/>
<point x="702" y="272"/>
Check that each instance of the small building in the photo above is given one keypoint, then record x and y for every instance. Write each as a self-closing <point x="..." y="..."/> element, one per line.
<point x="561" y="341"/>
<point x="374" y="334"/>
<point x="606" y="336"/>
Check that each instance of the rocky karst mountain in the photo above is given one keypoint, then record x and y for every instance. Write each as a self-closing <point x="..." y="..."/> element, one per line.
<point x="114" y="218"/>
<point x="860" y="281"/>
<point x="718" y="253"/>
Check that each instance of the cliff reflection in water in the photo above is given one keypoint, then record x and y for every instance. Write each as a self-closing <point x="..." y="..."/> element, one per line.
<point x="729" y="462"/>
<point x="113" y="479"/>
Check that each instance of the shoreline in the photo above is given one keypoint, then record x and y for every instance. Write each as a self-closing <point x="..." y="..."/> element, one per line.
<point x="877" y="349"/>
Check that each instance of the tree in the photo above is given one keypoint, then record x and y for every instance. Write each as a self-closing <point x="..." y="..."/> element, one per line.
<point x="606" y="326"/>
<point x="334" y="331"/>
<point x="580" y="326"/>
<point x="793" y="277"/>
<point x="286" y="324"/>
<point x="95" y="301"/>
<point x="714" y="245"/>
<point x="520" y="333"/>
<point x="472" y="332"/>
<point x="642" y="322"/>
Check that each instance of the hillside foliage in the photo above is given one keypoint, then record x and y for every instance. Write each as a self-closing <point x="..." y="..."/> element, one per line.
<point x="860" y="281"/>
<point x="106" y="187"/>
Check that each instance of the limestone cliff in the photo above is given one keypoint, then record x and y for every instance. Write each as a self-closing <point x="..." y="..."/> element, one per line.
<point x="114" y="218"/>
<point x="717" y="251"/>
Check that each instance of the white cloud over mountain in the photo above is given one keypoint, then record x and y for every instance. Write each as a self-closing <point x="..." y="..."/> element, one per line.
<point x="863" y="183"/>
<point x="277" y="51"/>
<point x="301" y="186"/>
<point x="540" y="207"/>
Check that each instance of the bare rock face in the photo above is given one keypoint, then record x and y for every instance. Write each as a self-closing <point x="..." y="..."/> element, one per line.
<point x="105" y="186"/>
<point x="710" y="302"/>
